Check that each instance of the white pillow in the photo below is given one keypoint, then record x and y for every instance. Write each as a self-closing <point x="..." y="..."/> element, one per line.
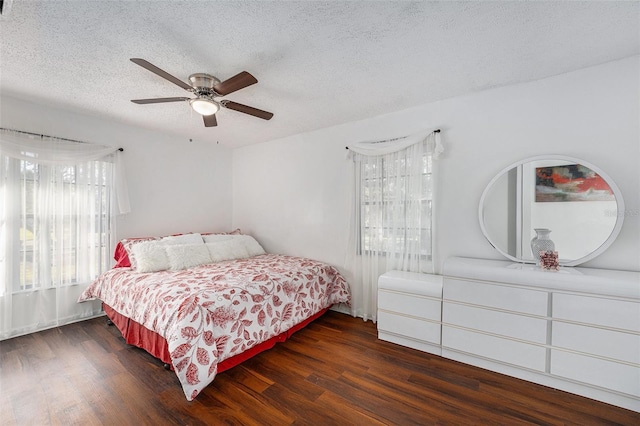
<point x="182" y="256"/>
<point x="183" y="239"/>
<point x="128" y="243"/>
<point x="227" y="250"/>
<point x="214" y="238"/>
<point x="150" y="256"/>
<point x="253" y="247"/>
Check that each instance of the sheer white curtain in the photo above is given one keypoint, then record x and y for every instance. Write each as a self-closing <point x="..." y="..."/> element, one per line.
<point x="58" y="201"/>
<point x="392" y="221"/>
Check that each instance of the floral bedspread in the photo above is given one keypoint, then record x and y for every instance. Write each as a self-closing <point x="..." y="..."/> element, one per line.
<point x="212" y="312"/>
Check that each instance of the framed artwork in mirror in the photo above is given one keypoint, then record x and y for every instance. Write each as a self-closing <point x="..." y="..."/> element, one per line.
<point x="571" y="182"/>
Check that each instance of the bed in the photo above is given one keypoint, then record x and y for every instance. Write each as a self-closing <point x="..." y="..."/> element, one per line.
<point x="203" y="314"/>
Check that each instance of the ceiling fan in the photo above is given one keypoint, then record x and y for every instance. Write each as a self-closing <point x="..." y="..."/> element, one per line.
<point x="206" y="88"/>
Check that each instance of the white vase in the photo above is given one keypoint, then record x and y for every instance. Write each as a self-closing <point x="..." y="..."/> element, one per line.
<point x="541" y="242"/>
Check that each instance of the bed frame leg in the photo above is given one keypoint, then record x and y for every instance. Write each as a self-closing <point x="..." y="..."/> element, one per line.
<point x="109" y="322"/>
<point x="167" y="366"/>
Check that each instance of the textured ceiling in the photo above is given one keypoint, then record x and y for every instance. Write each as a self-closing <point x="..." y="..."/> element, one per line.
<point x="318" y="63"/>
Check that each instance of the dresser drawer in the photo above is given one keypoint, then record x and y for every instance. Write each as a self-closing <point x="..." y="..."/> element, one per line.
<point x="429" y="285"/>
<point x="410" y="327"/>
<point x="597" y="341"/>
<point x="610" y="375"/>
<point x="495" y="348"/>
<point x="495" y="296"/>
<point x="621" y="314"/>
<point x="409" y="304"/>
<point x="503" y="323"/>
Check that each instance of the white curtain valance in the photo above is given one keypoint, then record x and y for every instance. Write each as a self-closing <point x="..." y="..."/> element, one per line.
<point x="389" y="146"/>
<point x="48" y="150"/>
<point x="54" y="151"/>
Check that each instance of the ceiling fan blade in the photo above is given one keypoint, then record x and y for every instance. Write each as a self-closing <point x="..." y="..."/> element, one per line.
<point x="158" y="100"/>
<point x="210" y="120"/>
<point x="247" y="110"/>
<point x="237" y="82"/>
<point x="149" y="66"/>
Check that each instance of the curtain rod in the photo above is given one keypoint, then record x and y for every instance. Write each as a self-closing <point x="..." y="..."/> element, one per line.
<point x="435" y="131"/>
<point x="47" y="136"/>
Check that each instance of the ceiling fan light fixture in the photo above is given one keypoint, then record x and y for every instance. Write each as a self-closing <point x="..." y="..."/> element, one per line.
<point x="204" y="106"/>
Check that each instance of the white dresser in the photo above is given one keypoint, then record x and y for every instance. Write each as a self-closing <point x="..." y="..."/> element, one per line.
<point x="409" y="310"/>
<point x="577" y="329"/>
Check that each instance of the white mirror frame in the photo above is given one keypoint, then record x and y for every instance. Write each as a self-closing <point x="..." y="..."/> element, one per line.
<point x="616" y="192"/>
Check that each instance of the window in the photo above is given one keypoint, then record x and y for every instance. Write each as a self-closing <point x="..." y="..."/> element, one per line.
<point x="393" y="214"/>
<point x="395" y="204"/>
<point x="57" y="223"/>
<point x="58" y="200"/>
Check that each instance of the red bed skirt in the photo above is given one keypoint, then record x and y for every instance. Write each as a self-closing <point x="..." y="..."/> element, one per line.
<point x="140" y="336"/>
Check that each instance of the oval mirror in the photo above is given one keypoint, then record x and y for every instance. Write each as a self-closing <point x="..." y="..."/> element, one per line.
<point x="576" y="200"/>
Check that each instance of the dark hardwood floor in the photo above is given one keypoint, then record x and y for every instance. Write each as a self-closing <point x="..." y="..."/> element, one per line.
<point x="333" y="372"/>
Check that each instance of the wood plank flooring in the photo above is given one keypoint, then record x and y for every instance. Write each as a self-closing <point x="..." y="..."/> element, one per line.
<point x="334" y="372"/>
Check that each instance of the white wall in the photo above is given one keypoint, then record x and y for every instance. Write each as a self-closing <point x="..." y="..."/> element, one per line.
<point x="174" y="185"/>
<point x="293" y="193"/>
